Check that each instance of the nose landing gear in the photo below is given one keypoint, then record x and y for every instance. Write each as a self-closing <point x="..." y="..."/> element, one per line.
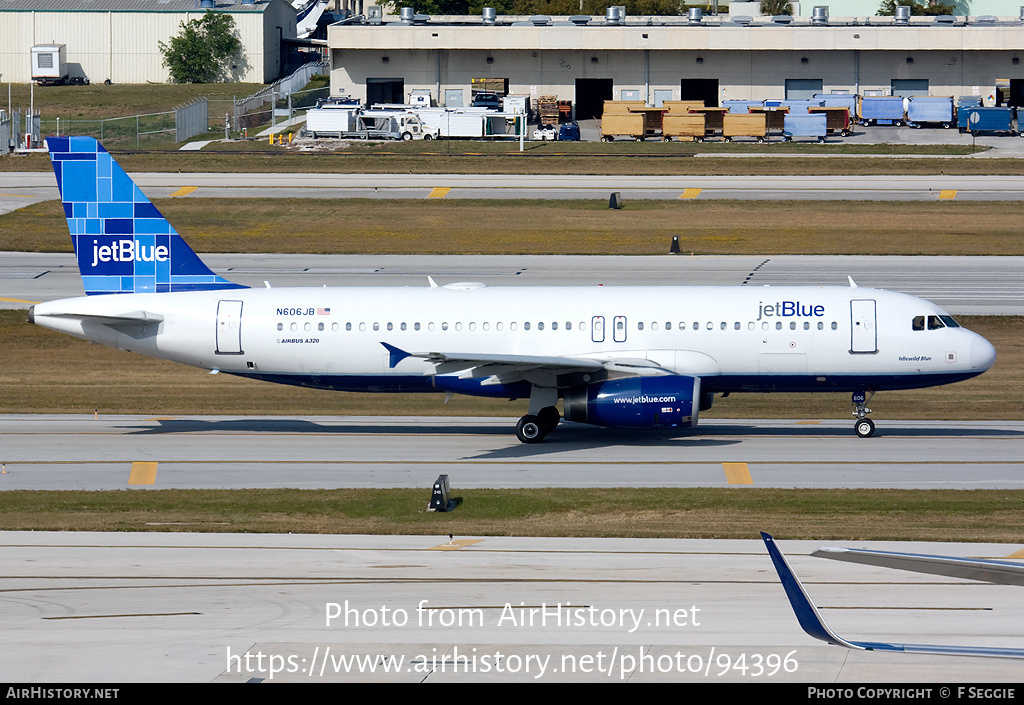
<point x="863" y="427"/>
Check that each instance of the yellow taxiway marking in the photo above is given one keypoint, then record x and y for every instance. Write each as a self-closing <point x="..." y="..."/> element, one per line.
<point x="143" y="473"/>
<point x="808" y="423"/>
<point x="691" y="192"/>
<point x="184" y="191"/>
<point x="439" y="192"/>
<point x="737" y="474"/>
<point x="455" y="545"/>
<point x="1017" y="554"/>
<point x="18" y="301"/>
<point x="947" y="194"/>
<point x="14" y="195"/>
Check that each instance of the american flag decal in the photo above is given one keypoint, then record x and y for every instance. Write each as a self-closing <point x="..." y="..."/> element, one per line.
<point x="323" y="312"/>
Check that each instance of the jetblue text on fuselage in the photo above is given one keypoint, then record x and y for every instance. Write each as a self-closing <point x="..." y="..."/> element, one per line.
<point x="785" y="309"/>
<point x="128" y="251"/>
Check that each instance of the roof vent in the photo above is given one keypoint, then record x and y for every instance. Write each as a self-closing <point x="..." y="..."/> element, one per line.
<point x="489" y="15"/>
<point x="783" y="19"/>
<point x="612" y="16"/>
<point x="207" y="3"/>
<point x="902" y="15"/>
<point x="945" y="19"/>
<point x="540" y="20"/>
<point x="694" y="15"/>
<point x="986" y="19"/>
<point x="819" y="15"/>
<point x="742" y="19"/>
<point x="580" y="20"/>
<point x="406" y="14"/>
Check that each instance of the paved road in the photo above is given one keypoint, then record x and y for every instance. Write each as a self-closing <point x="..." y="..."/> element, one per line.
<point x="179" y="607"/>
<point x="962" y="285"/>
<point x="19" y="189"/>
<point x="80" y="452"/>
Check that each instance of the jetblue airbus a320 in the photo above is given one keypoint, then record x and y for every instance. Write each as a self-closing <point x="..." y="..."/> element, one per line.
<point x="622" y="357"/>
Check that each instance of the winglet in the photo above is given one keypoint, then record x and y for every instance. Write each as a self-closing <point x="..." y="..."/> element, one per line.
<point x="806" y="613"/>
<point x="395" y="355"/>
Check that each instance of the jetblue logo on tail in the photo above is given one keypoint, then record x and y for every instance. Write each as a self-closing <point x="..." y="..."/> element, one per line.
<point x="128" y="251"/>
<point x="122" y="242"/>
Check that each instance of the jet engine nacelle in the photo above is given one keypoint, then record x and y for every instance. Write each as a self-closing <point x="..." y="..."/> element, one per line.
<point x="671" y="401"/>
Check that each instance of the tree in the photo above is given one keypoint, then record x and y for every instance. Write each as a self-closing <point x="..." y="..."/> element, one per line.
<point x="776" y="7"/>
<point x="888" y="7"/>
<point x="202" y="51"/>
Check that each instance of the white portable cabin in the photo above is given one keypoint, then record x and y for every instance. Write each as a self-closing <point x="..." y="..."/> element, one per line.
<point x="49" y="63"/>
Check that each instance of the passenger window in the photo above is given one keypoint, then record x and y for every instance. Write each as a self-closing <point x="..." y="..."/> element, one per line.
<point x="294" y="327"/>
<point x="362" y="326"/>
<point x="792" y="325"/>
<point x="403" y="325"/>
<point x="348" y="326"/>
<point x="736" y="325"/>
<point x="320" y="326"/>
<point x="444" y="326"/>
<point x="834" y="325"/>
<point x="807" y="325"/>
<point x="640" y="325"/>
<point x="554" y="325"/>
<point x="918" y="323"/>
<point x="458" y="326"/>
<point x="668" y="325"/>
<point x="722" y="326"/>
<point x="472" y="326"/>
<point x="280" y="326"/>
<point x="416" y="326"/>
<point x="391" y="326"/>
<point x="526" y="326"/>
<point x="778" y="325"/>
<point x="376" y="326"/>
<point x="821" y="325"/>
<point x="540" y="325"/>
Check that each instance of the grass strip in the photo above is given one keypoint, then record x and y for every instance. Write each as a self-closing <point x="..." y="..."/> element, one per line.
<point x="712" y="513"/>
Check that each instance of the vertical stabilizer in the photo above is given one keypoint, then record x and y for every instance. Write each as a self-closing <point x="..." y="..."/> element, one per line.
<point x="122" y="243"/>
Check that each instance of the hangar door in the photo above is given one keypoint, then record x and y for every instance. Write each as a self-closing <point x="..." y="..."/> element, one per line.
<point x="385" y="90"/>
<point x="705" y="89"/>
<point x="803" y="88"/>
<point x="591" y="93"/>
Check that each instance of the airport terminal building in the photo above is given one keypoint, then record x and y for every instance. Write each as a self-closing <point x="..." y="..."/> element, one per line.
<point x="737" y="56"/>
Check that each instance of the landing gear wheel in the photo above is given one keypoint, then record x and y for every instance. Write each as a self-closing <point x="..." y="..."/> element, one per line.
<point x="865" y="428"/>
<point x="549" y="418"/>
<point x="530" y="429"/>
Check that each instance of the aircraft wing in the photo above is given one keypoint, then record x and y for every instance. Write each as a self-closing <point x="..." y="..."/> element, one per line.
<point x="989" y="571"/>
<point x="510" y="368"/>
<point x="811" y="621"/>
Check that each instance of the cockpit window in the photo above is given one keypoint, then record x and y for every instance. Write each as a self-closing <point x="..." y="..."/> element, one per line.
<point x="948" y="320"/>
<point x="934" y="323"/>
<point x="918" y="323"/>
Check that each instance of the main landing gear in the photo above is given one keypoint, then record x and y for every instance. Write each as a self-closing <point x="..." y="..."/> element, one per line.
<point x="864" y="427"/>
<point x="533" y="428"/>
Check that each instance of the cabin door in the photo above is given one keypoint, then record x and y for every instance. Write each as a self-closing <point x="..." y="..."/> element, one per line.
<point x="229" y="328"/>
<point x="864" y="335"/>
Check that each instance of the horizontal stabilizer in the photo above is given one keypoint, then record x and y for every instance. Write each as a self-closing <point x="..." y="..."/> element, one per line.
<point x="989" y="571"/>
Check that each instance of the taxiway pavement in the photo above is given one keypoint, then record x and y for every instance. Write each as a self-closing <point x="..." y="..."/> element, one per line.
<point x="181" y="607"/>
<point x="962" y="285"/>
<point x="59" y="452"/>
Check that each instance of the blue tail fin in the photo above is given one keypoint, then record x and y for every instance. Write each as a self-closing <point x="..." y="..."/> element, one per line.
<point x="122" y="243"/>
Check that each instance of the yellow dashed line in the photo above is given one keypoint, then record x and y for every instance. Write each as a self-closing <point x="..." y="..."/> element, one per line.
<point x="439" y="192"/>
<point x="184" y="191"/>
<point x="808" y="423"/>
<point x="737" y="474"/>
<point x="691" y="192"/>
<point x="947" y="194"/>
<point x="143" y="473"/>
<point x="17" y="301"/>
<point x="455" y="545"/>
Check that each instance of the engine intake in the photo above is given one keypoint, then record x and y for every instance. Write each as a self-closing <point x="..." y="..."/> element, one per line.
<point x="670" y="401"/>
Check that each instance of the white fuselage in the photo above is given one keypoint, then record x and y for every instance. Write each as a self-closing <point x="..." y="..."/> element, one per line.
<point x="733" y="338"/>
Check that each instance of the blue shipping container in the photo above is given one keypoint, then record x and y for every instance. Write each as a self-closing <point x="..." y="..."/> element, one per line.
<point x="805" y="125"/>
<point x="881" y="110"/>
<point x="985" y="120"/>
<point x="742" y="106"/>
<point x="930" y="110"/>
<point x="839" y="100"/>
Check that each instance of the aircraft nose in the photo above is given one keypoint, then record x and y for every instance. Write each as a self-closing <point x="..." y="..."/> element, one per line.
<point x="983" y="354"/>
